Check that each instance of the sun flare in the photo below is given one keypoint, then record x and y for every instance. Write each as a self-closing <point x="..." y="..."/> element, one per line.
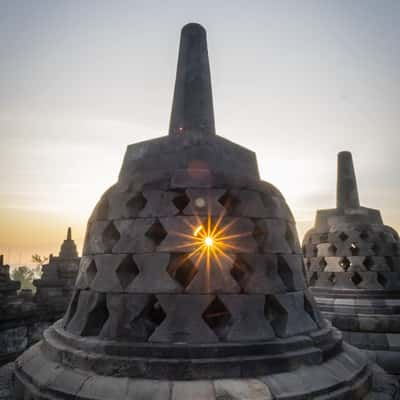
<point x="211" y="242"/>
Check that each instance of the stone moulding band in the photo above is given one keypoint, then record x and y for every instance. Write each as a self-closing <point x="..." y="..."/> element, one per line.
<point x="159" y="361"/>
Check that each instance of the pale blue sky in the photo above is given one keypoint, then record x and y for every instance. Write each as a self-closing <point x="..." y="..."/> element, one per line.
<point x="296" y="81"/>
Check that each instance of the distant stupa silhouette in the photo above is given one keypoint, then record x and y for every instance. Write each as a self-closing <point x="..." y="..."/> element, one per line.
<point x="55" y="287"/>
<point x="192" y="283"/>
<point x="353" y="262"/>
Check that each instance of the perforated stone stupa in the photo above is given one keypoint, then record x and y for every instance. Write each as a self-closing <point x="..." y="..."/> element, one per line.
<point x="191" y="284"/>
<point x="55" y="287"/>
<point x="353" y="261"/>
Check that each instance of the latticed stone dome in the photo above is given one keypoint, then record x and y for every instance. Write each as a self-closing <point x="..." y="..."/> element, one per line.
<point x="353" y="262"/>
<point x="192" y="274"/>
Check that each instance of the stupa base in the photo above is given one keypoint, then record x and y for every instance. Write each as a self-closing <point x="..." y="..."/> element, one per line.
<point x="370" y="323"/>
<point x="347" y="375"/>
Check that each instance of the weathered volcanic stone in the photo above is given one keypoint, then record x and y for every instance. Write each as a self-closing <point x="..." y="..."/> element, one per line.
<point x="156" y="314"/>
<point x="15" y="317"/>
<point x="353" y="262"/>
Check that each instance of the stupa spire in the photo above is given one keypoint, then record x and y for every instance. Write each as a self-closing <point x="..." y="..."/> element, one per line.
<point x="68" y="247"/>
<point x="192" y="107"/>
<point x="347" y="193"/>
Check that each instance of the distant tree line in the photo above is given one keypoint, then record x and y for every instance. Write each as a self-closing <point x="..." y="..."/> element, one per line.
<point x="26" y="275"/>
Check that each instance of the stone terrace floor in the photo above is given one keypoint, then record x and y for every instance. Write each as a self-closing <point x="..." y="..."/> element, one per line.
<point x="385" y="387"/>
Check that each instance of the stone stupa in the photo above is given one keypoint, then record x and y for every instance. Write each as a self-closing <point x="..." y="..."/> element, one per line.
<point x="55" y="287"/>
<point x="14" y="316"/>
<point x="191" y="284"/>
<point x="353" y="261"/>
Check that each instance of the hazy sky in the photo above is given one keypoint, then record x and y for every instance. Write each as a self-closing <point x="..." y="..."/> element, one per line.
<point x="296" y="81"/>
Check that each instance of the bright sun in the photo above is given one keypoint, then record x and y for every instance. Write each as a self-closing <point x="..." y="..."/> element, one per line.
<point x="211" y="240"/>
<point x="208" y="241"/>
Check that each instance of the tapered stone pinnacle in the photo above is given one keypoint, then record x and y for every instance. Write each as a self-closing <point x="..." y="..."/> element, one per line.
<point x="347" y="193"/>
<point x="192" y="107"/>
<point x="69" y="235"/>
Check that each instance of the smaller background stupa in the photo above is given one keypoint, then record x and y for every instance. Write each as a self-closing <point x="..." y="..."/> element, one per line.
<point x="55" y="287"/>
<point x="353" y="262"/>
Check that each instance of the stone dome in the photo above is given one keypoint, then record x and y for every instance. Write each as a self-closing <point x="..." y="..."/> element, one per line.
<point x="353" y="262"/>
<point x="192" y="281"/>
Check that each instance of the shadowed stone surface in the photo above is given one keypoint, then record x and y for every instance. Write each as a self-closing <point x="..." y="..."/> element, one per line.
<point x="167" y="304"/>
<point x="353" y="263"/>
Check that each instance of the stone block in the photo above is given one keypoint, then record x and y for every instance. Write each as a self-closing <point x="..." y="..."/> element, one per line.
<point x="177" y="327"/>
<point x="263" y="277"/>
<point x="287" y="314"/>
<point x="241" y="389"/>
<point x="153" y="276"/>
<point x="104" y="387"/>
<point x="199" y="390"/>
<point x="134" y="236"/>
<point x="204" y="202"/>
<point x="248" y="320"/>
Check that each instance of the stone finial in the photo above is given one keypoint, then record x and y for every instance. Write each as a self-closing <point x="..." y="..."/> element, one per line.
<point x="347" y="193"/>
<point x="68" y="248"/>
<point x="192" y="108"/>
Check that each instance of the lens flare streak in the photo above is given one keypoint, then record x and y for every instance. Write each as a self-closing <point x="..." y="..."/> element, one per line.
<point x="211" y="241"/>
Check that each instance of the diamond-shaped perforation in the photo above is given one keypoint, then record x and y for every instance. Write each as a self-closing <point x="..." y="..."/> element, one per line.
<point x="369" y="262"/>
<point x="97" y="317"/>
<point x="259" y="235"/>
<point x="311" y="309"/>
<point x="241" y="272"/>
<point x="356" y="278"/>
<point x="149" y="319"/>
<point x="285" y="272"/>
<point x="389" y="262"/>
<point x="313" y="279"/>
<point x="345" y="263"/>
<point x="181" y="268"/>
<point x="229" y="201"/>
<point x="322" y="263"/>
<point x="136" y="204"/>
<point x="354" y="249"/>
<point x="382" y="279"/>
<point x="156" y="232"/>
<point x="217" y="317"/>
<point x="332" y="249"/>
<point x="110" y="236"/>
<point x="127" y="271"/>
<point x="91" y="272"/>
<point x="332" y="278"/>
<point x="273" y="309"/>
<point x="181" y="201"/>
<point x="343" y="237"/>
<point x="375" y="249"/>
